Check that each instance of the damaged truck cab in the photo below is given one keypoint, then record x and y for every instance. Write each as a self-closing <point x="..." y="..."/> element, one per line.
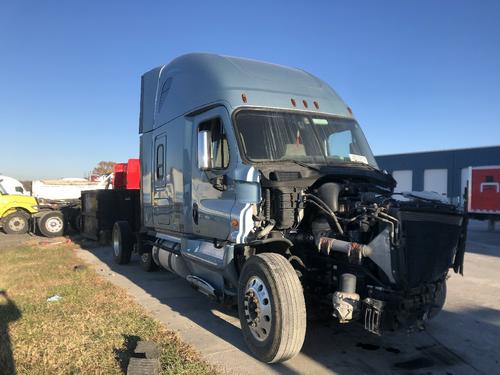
<point x="259" y="188"/>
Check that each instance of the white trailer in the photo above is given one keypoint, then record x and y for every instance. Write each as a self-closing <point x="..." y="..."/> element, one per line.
<point x="66" y="188"/>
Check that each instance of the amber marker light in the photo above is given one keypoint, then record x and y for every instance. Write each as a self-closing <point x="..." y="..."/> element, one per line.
<point x="316" y="104"/>
<point x="304" y="103"/>
<point x="235" y="223"/>
<point x="294" y="103"/>
<point x="244" y="98"/>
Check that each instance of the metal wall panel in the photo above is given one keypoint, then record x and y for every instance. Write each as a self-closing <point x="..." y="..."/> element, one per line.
<point x="436" y="180"/>
<point x="453" y="160"/>
<point x="404" y="179"/>
<point x="464" y="177"/>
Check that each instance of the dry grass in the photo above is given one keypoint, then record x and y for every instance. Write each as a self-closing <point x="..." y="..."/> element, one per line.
<point x="91" y="330"/>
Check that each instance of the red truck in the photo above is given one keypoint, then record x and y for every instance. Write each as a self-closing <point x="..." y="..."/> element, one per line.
<point x="484" y="194"/>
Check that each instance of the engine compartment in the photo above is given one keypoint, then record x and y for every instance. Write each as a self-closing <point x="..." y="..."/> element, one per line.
<point x="360" y="253"/>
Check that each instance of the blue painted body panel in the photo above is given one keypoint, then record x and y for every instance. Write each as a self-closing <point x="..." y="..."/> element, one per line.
<point x="182" y="205"/>
<point x="197" y="80"/>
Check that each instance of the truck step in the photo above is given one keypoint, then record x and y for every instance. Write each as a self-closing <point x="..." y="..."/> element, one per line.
<point x="202" y="286"/>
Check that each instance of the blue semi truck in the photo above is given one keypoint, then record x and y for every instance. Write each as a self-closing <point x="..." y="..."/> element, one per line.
<point x="259" y="188"/>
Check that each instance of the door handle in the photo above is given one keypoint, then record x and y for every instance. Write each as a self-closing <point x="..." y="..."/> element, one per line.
<point x="195" y="213"/>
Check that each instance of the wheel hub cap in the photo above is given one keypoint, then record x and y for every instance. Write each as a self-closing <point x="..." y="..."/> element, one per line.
<point x="17" y="224"/>
<point x="54" y="224"/>
<point x="257" y="307"/>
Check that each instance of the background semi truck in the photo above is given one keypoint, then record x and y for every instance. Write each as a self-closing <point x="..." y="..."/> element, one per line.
<point x="90" y="207"/>
<point x="20" y="213"/>
<point x="259" y="188"/>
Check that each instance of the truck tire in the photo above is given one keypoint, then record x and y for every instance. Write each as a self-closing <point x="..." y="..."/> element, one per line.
<point x="104" y="237"/>
<point x="73" y="219"/>
<point x="51" y="224"/>
<point x="78" y="223"/>
<point x="271" y="308"/>
<point x="439" y="301"/>
<point x="123" y="242"/>
<point x="147" y="262"/>
<point x="16" y="223"/>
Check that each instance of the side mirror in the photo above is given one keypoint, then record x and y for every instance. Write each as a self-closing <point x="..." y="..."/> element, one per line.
<point x="204" y="150"/>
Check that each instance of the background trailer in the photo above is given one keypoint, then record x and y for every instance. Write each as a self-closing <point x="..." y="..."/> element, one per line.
<point x="445" y="172"/>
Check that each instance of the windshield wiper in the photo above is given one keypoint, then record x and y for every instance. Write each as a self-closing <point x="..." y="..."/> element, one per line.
<point x="302" y="164"/>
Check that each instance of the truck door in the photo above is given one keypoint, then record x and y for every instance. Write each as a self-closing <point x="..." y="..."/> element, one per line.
<point x="161" y="200"/>
<point x="212" y="190"/>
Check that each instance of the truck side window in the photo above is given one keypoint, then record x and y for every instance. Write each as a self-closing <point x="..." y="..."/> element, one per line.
<point x="19" y="189"/>
<point x="160" y="162"/>
<point x="220" y="147"/>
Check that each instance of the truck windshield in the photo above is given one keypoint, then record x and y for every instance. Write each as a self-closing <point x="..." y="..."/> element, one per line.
<point x="279" y="136"/>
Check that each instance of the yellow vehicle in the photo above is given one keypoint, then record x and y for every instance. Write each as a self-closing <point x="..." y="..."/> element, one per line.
<point x="21" y="213"/>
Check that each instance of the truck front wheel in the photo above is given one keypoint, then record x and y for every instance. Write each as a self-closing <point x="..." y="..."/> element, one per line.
<point x="51" y="224"/>
<point x="16" y="223"/>
<point x="271" y="308"/>
<point x="123" y="242"/>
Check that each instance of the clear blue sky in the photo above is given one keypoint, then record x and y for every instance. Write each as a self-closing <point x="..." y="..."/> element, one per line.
<point x="419" y="75"/>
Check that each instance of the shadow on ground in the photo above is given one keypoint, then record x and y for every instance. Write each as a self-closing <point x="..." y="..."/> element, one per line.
<point x="123" y="354"/>
<point x="9" y="313"/>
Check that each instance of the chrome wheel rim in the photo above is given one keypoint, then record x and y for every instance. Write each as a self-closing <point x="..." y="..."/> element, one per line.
<point x="116" y="243"/>
<point x="257" y="307"/>
<point x="54" y="224"/>
<point x="17" y="224"/>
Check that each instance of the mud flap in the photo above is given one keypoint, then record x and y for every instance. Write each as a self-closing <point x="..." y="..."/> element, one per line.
<point x="458" y="264"/>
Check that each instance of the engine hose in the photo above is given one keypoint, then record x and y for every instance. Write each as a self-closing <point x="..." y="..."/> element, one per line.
<point x="298" y="260"/>
<point x="331" y="214"/>
<point x="393" y="228"/>
<point x="355" y="251"/>
<point x="392" y="218"/>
